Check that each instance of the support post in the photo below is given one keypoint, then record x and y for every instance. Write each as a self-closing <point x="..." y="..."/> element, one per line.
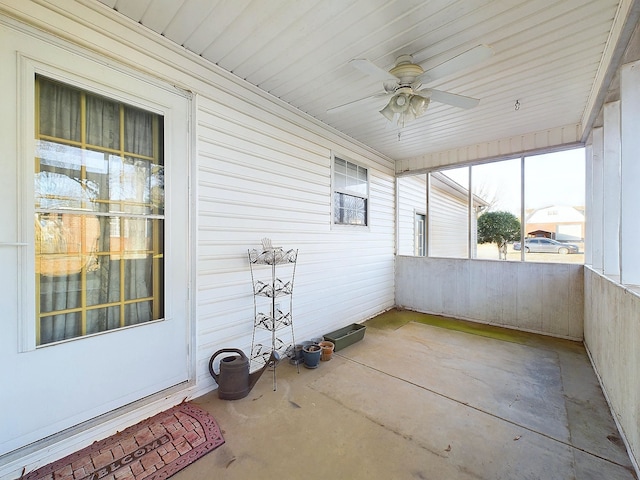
<point x="611" y="184"/>
<point x="597" y="199"/>
<point x="630" y="174"/>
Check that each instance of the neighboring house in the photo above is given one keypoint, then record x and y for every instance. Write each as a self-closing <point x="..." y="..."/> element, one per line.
<point x="448" y="224"/>
<point x="559" y="222"/>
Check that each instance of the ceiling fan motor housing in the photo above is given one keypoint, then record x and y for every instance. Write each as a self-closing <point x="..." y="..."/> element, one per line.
<point x="405" y="70"/>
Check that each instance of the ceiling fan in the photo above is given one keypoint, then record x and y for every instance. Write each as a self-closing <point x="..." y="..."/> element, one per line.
<point x="402" y="83"/>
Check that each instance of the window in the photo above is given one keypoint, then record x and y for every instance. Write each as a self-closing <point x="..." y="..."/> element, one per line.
<point x="554" y="206"/>
<point x="350" y="193"/>
<point x="421" y="235"/>
<point x="538" y="196"/>
<point x="497" y="190"/>
<point x="99" y="221"/>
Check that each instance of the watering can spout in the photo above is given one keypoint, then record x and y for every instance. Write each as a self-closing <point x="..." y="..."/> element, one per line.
<point x="273" y="360"/>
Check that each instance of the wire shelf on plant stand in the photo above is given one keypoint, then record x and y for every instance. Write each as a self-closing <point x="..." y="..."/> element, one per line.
<point x="272" y="305"/>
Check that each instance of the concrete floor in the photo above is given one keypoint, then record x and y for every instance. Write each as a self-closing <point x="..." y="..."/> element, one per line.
<point x="422" y="397"/>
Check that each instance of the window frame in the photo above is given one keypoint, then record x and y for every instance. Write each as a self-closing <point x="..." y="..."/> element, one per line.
<point x="470" y="211"/>
<point x="345" y="191"/>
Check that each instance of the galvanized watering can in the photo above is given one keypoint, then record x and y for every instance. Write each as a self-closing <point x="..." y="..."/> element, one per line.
<point x="234" y="380"/>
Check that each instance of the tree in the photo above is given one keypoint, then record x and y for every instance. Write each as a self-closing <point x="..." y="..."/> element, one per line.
<point x="499" y="228"/>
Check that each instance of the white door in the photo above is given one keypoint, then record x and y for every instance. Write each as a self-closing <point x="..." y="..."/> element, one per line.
<point x="94" y="243"/>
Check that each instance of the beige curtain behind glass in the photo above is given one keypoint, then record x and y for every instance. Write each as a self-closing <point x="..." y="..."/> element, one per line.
<point x="92" y="175"/>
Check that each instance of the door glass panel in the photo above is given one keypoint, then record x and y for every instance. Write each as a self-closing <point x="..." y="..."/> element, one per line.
<point x="103" y="122"/>
<point x="99" y="194"/>
<point x="63" y="123"/>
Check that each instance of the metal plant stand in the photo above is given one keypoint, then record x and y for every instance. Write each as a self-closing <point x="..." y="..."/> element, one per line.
<point x="272" y="305"/>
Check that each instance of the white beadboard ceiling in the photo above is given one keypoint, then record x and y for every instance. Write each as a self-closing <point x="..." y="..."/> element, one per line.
<point x="548" y="55"/>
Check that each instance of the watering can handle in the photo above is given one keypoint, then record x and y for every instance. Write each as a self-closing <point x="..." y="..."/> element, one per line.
<point x="224" y="350"/>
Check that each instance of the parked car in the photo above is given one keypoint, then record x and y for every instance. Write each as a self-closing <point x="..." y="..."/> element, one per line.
<point x="546" y="245"/>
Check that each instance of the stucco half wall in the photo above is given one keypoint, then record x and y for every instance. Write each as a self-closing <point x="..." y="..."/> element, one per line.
<point x="612" y="330"/>
<point x="546" y="298"/>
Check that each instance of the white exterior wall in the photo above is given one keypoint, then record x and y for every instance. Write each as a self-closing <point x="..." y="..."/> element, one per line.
<point x="259" y="168"/>
<point x="448" y="225"/>
<point x="412" y="199"/>
<point x="261" y="177"/>
<point x="447" y="218"/>
<point x="544" y="298"/>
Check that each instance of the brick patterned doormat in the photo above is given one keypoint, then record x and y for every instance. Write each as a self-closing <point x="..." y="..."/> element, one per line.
<point x="154" y="449"/>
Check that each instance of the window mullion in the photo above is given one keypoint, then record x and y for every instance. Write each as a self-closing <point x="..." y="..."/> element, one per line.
<point x="36" y="170"/>
<point x="522" y="210"/>
<point x="122" y="221"/>
<point x="156" y="257"/>
<point x="83" y="173"/>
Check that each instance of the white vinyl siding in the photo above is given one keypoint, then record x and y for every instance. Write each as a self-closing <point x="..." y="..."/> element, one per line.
<point x="260" y="180"/>
<point x="447" y="217"/>
<point x="448" y="225"/>
<point x="412" y="199"/>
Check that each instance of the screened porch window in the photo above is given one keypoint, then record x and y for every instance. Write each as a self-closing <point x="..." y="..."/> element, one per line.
<point x="99" y="213"/>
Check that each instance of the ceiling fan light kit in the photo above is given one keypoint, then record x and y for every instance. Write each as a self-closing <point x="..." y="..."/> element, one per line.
<point x="406" y="106"/>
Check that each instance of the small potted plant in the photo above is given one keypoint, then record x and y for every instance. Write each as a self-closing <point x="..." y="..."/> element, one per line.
<point x="312" y="354"/>
<point x="327" y="350"/>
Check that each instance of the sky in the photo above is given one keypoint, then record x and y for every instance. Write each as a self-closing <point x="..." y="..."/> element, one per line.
<point x="550" y="179"/>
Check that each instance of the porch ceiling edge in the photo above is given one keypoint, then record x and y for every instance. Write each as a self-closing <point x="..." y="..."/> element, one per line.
<point x="545" y="141"/>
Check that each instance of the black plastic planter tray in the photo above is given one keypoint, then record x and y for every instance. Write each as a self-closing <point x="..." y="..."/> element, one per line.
<point x="346" y="336"/>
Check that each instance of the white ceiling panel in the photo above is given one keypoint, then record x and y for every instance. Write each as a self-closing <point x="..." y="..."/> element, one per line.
<point x="188" y="19"/>
<point x="163" y="11"/>
<point x="547" y="55"/>
<point x="133" y="10"/>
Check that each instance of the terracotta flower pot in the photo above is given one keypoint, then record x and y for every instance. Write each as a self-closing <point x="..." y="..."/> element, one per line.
<point x="327" y="350"/>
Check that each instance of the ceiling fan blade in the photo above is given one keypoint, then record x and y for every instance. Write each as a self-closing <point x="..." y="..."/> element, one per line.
<point x="365" y="66"/>
<point x="450" y="98"/>
<point x="344" y="106"/>
<point x="464" y="60"/>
